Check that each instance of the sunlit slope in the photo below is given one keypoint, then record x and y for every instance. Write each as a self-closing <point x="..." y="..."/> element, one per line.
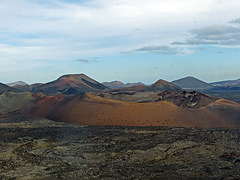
<point x="88" y="109"/>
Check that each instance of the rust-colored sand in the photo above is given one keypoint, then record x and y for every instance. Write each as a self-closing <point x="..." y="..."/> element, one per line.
<point x="88" y="109"/>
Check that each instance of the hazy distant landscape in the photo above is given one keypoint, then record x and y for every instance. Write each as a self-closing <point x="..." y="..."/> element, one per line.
<point x="76" y="127"/>
<point x="81" y="100"/>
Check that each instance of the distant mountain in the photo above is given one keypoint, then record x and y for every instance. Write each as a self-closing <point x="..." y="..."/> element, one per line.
<point x="162" y="85"/>
<point x="27" y="88"/>
<point x="4" y="87"/>
<point x="70" y="84"/>
<point x="231" y="83"/>
<point x="134" y="84"/>
<point x="114" y="84"/>
<point x="19" y="83"/>
<point x="119" y="84"/>
<point x="192" y="83"/>
<point x="131" y="88"/>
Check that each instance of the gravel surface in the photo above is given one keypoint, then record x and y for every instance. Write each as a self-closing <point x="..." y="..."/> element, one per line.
<point x="43" y="149"/>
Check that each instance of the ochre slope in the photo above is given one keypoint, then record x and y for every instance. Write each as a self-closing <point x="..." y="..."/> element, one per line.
<point x="87" y="109"/>
<point x="229" y="111"/>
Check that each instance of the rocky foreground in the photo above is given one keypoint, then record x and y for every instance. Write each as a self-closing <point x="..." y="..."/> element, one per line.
<point x="43" y="149"/>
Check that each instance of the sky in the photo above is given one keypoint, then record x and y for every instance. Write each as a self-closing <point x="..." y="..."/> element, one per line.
<point x="130" y="41"/>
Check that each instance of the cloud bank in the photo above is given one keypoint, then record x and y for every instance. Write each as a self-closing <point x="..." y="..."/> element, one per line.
<point x="214" y="35"/>
<point x="37" y="34"/>
<point x="87" y="61"/>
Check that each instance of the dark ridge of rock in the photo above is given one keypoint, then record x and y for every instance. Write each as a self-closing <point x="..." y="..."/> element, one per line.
<point x="187" y="99"/>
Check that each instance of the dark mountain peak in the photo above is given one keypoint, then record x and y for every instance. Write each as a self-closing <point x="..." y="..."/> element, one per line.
<point x="191" y="83"/>
<point x="191" y="78"/>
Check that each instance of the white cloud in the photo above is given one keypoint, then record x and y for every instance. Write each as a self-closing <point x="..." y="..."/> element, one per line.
<point x="60" y="30"/>
<point x="162" y="49"/>
<point x="87" y="61"/>
<point x="213" y="35"/>
<point x="237" y="21"/>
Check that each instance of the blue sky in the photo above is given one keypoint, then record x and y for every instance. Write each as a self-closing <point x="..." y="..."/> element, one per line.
<point x="124" y="40"/>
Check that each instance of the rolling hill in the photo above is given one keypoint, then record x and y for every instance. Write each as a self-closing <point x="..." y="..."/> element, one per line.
<point x="11" y="101"/>
<point x="4" y="87"/>
<point x="90" y="109"/>
<point x="119" y="84"/>
<point x="114" y="84"/>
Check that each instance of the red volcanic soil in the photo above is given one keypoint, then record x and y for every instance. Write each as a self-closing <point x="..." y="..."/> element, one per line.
<point x="45" y="105"/>
<point x="87" y="109"/>
<point x="164" y="85"/>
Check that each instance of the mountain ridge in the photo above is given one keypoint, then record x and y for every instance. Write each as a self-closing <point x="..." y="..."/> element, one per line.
<point x="4" y="87"/>
<point x="70" y="84"/>
<point x="162" y="85"/>
<point x="119" y="84"/>
<point x="19" y="83"/>
<point x="192" y="83"/>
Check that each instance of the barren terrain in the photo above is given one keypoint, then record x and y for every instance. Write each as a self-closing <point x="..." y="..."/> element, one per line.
<point x="43" y="149"/>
